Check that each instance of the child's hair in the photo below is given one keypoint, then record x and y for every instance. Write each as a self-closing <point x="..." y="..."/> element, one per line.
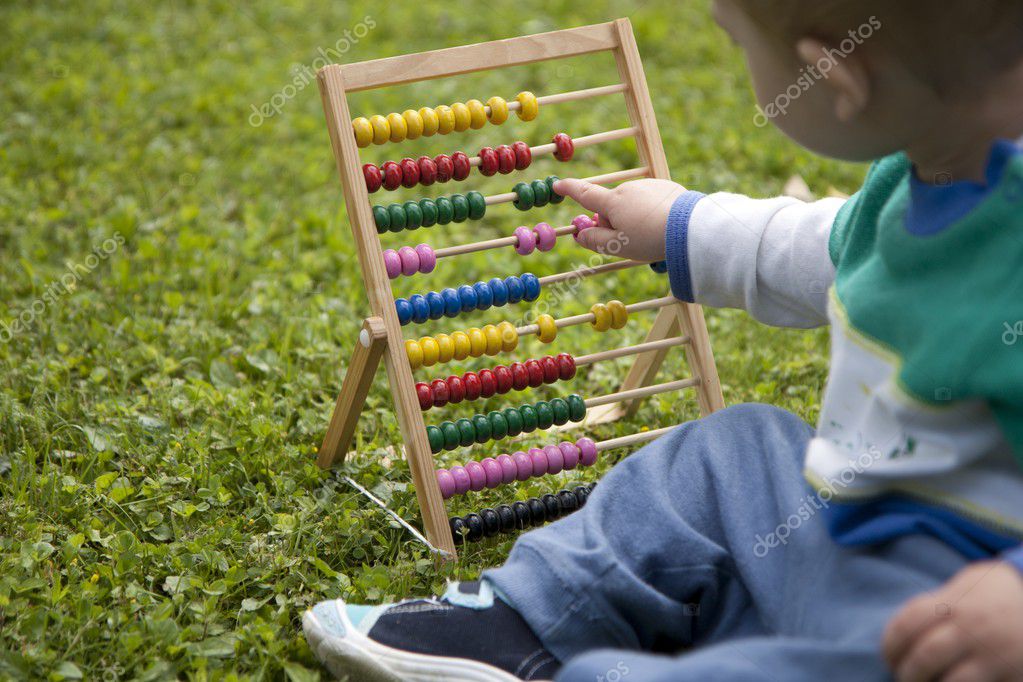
<point x="955" y="45"/>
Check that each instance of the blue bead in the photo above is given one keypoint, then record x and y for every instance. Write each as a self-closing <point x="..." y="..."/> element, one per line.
<point x="531" y="283"/>
<point x="468" y="296"/>
<point x="452" y="303"/>
<point x="484" y="296"/>
<point x="420" y="308"/>
<point x="660" y="266"/>
<point x="436" y="305"/>
<point x="499" y="290"/>
<point x="516" y="290"/>
<point x="404" y="310"/>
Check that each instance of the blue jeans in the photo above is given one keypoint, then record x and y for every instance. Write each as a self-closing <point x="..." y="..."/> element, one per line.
<point x="704" y="556"/>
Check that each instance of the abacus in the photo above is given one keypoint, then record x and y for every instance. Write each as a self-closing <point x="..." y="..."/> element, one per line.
<point x="675" y="323"/>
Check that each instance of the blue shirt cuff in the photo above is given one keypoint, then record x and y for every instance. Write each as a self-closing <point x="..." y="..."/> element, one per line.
<point x="1015" y="557"/>
<point x="676" y="244"/>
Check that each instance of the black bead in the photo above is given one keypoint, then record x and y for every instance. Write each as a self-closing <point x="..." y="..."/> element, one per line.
<point x="458" y="529"/>
<point x="507" y="518"/>
<point x="569" y="502"/>
<point x="523" y="519"/>
<point x="475" y="524"/>
<point x="491" y="522"/>
<point x="538" y="511"/>
<point x="581" y="493"/>
<point x="553" y="507"/>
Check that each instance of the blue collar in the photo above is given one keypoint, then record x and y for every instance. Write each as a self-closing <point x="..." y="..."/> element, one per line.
<point x="932" y="208"/>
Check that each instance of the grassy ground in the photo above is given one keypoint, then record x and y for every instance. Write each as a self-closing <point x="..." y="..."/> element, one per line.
<point x="178" y="292"/>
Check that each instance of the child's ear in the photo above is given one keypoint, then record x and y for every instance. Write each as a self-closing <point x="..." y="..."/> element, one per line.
<point x="844" y="73"/>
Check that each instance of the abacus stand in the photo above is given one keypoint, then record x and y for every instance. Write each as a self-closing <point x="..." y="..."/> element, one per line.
<point x="382" y="331"/>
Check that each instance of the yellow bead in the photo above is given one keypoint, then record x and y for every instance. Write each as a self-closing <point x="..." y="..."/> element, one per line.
<point x="477" y="114"/>
<point x="530" y="106"/>
<point x="619" y="314"/>
<point x="601" y="317"/>
<point x="462" y="345"/>
<point x="493" y="339"/>
<point x="447" y="347"/>
<point x="431" y="350"/>
<point x="413" y="122"/>
<point x="415" y="354"/>
<point x="445" y="119"/>
<point x="430" y="121"/>
<point x="498" y="110"/>
<point x="381" y="129"/>
<point x="399" y="129"/>
<point x="509" y="337"/>
<point x="547" y="329"/>
<point x="363" y="131"/>
<point x="462" y="116"/>
<point x="477" y="342"/>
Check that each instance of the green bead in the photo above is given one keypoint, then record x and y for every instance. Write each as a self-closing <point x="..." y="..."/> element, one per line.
<point x="397" y="216"/>
<point x="544" y="415"/>
<point x="445" y="211"/>
<point x="498" y="425"/>
<point x="461" y="207"/>
<point x="450" y="433"/>
<point x="541" y="192"/>
<point x="524" y="196"/>
<point x="413" y="215"/>
<point x="466" y="432"/>
<point x="529" y="418"/>
<point x="429" y="209"/>
<point x="576" y="408"/>
<point x="382" y="218"/>
<point x="482" y="426"/>
<point x="555" y="197"/>
<point x="477" y="205"/>
<point x="560" y="408"/>
<point x="436" y="439"/>
<point x="514" y="419"/>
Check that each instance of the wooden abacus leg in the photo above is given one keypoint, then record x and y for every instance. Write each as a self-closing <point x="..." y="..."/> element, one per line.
<point x="700" y="358"/>
<point x="350" y="400"/>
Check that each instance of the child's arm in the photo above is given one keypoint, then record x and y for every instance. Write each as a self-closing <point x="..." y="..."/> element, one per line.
<point x="767" y="256"/>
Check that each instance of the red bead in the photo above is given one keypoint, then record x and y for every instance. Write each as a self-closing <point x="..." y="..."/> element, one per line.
<point x="473" y="386"/>
<point x="392" y="175"/>
<point x="461" y="166"/>
<point x="425" y="396"/>
<point x="504" y="378"/>
<point x="440" y="392"/>
<point x="427" y="171"/>
<point x="373" y="177"/>
<point x="488" y="383"/>
<point x="488" y="161"/>
<point x="456" y="389"/>
<point x="505" y="159"/>
<point x="523" y="155"/>
<point x="550" y="369"/>
<point x="409" y="172"/>
<point x="566" y="366"/>
<point x="564" y="147"/>
<point x="520" y="376"/>
<point x="535" y="373"/>
<point x="445" y="168"/>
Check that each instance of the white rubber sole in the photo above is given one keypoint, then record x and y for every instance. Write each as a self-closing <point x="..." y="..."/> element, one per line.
<point x="358" y="658"/>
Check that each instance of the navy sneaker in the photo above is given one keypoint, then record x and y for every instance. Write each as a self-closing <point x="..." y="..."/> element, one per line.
<point x="467" y="635"/>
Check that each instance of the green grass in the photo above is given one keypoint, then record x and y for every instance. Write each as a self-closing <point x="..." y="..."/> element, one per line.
<point x="160" y="511"/>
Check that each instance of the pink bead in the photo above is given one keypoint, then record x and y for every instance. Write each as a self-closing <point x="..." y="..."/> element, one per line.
<point x="509" y="471"/>
<point x="523" y="466"/>
<point x="495" y="476"/>
<point x="526" y="240"/>
<point x="446" y="482"/>
<point x="582" y="222"/>
<point x="545" y="236"/>
<point x="462" y="481"/>
<point x="555" y="460"/>
<point x="427" y="258"/>
<point x="477" y="475"/>
<point x="570" y="454"/>
<point x="409" y="260"/>
<point x="587" y="451"/>
<point x="539" y="458"/>
<point x="392" y="262"/>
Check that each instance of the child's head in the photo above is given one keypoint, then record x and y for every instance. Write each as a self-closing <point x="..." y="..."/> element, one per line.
<point x="858" y="79"/>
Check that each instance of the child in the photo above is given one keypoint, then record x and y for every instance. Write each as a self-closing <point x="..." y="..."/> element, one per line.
<point x="746" y="546"/>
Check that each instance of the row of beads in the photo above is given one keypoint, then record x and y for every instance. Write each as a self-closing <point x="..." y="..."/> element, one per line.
<point x="408" y="260"/>
<point x="536" y="193"/>
<point x="441" y="120"/>
<point x="423" y="171"/>
<point x="520" y="466"/>
<point x="610" y="315"/>
<point x="541" y="236"/>
<point x="505" y="158"/>
<point x="506" y="518"/>
<point x="412" y="215"/>
<point x="451" y="302"/>
<point x="500" y="380"/>
<point x="475" y="342"/>
<point x="509" y="422"/>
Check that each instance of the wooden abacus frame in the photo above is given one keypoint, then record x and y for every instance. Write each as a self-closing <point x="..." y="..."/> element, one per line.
<point x="676" y="323"/>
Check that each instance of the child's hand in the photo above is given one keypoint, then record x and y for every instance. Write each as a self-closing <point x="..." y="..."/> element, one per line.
<point x="971" y="629"/>
<point x="632" y="216"/>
